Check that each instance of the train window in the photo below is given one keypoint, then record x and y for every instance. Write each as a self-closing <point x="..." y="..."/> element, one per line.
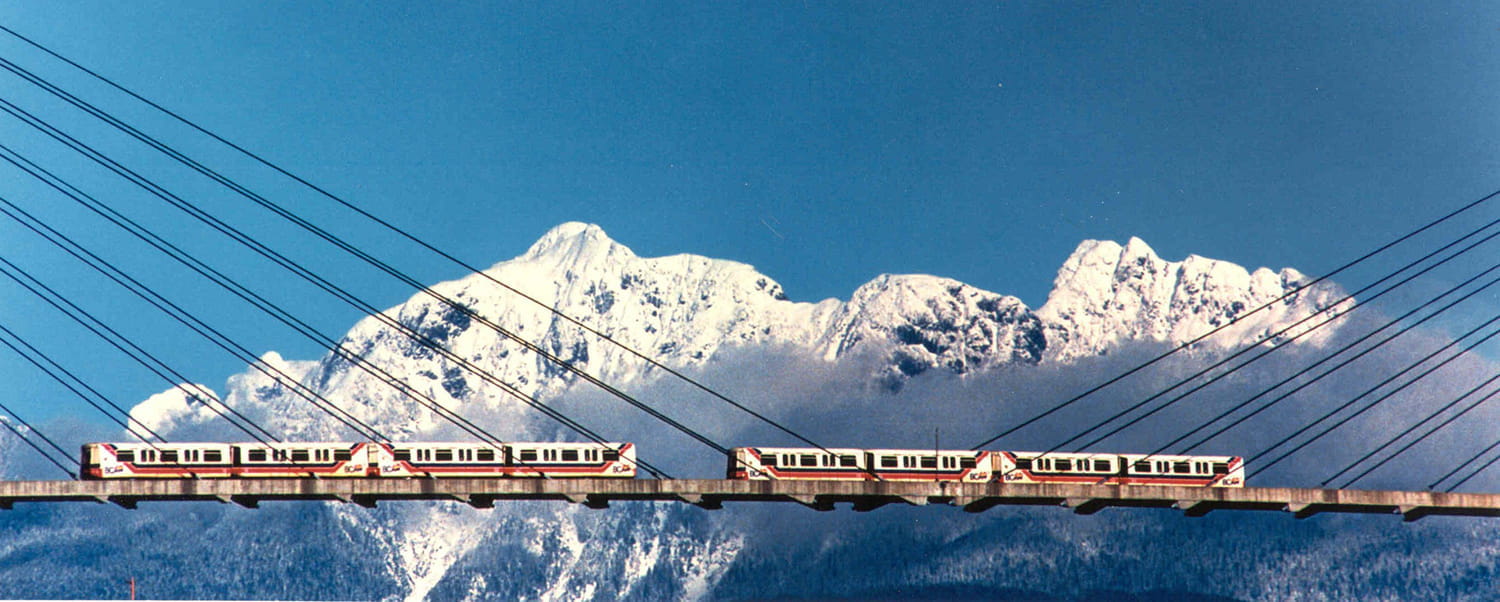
<point x="402" y="455"/>
<point x="342" y="455"/>
<point x="1221" y="468"/>
<point x="300" y="455"/>
<point x="1142" y="466"/>
<point x="279" y="455"/>
<point x="485" y="455"/>
<point x="929" y="462"/>
<point x="125" y="456"/>
<point x="443" y="455"/>
<point x="809" y="460"/>
<point x="967" y="462"/>
<point x="1181" y="467"/>
<point x="1102" y="466"/>
<point x="570" y="455"/>
<point x="611" y="455"/>
<point x="1161" y="466"/>
<point x="888" y="461"/>
<point x="1062" y="464"/>
<point x="212" y="455"/>
<point x="549" y="455"/>
<point x="908" y="462"/>
<point x="528" y="455"/>
<point x="169" y="455"/>
<point x="848" y="461"/>
<point x="255" y="455"/>
<point x="768" y="460"/>
<point x="1023" y="463"/>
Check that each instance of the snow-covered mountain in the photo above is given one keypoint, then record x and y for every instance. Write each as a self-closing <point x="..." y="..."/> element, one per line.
<point x="685" y="309"/>
<point x="695" y="313"/>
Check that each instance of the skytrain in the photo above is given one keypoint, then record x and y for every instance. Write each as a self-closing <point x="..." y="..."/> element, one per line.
<point x="617" y="460"/>
<point x="967" y="466"/>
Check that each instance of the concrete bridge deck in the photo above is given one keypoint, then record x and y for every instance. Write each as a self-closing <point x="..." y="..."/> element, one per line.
<point x="713" y="493"/>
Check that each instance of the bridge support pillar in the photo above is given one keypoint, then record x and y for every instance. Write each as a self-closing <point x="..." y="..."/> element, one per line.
<point x="975" y="505"/>
<point x="868" y="504"/>
<point x="595" y="502"/>
<point x="812" y="501"/>
<point x="477" y="501"/>
<point x="1083" y="505"/>
<point x="1193" y="507"/>
<point x="1301" y="510"/>
<point x="367" y="501"/>
<point x="699" y="500"/>
<point x="1413" y="513"/>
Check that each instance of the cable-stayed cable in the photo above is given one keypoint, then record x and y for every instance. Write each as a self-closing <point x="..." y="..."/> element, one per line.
<point x="1379" y="400"/>
<point x="1467" y="462"/>
<point x="1413" y="428"/>
<point x="45" y="454"/>
<point x="176" y="312"/>
<point x="1237" y="319"/>
<point x="219" y="279"/>
<point x="134" y="352"/>
<point x="1274" y="336"/>
<point x="1329" y="357"/>
<point x="383" y="223"/>
<point x="52" y="371"/>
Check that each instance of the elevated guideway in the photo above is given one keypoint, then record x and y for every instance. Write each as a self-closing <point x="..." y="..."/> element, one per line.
<point x="713" y="493"/>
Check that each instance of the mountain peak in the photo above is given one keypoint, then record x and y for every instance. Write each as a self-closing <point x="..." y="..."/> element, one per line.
<point x="575" y="242"/>
<point x="1136" y="247"/>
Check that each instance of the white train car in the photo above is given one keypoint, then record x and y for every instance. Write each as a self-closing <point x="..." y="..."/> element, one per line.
<point x="806" y="463"/>
<point x="964" y="466"/>
<point x="157" y="461"/>
<point x="1120" y="469"/>
<point x="521" y="460"/>
<point x="848" y="464"/>
<point x="299" y="460"/>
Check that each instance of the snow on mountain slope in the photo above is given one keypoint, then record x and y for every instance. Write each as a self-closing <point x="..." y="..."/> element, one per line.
<point x="1106" y="294"/>
<point x="683" y="309"/>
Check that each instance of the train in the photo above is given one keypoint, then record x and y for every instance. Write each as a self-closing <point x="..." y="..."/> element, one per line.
<point x="138" y="460"/>
<point x="356" y="460"/>
<point x="968" y="466"/>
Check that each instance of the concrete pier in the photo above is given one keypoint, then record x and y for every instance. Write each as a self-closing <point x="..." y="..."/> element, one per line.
<point x="714" y="493"/>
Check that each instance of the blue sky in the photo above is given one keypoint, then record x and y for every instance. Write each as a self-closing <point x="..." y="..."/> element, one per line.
<point x="824" y="143"/>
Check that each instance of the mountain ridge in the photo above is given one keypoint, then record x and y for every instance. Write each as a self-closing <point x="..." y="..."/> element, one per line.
<point x="683" y="309"/>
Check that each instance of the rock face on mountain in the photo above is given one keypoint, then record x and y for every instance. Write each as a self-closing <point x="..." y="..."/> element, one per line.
<point x="1106" y="294"/>
<point x="684" y="309"/>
